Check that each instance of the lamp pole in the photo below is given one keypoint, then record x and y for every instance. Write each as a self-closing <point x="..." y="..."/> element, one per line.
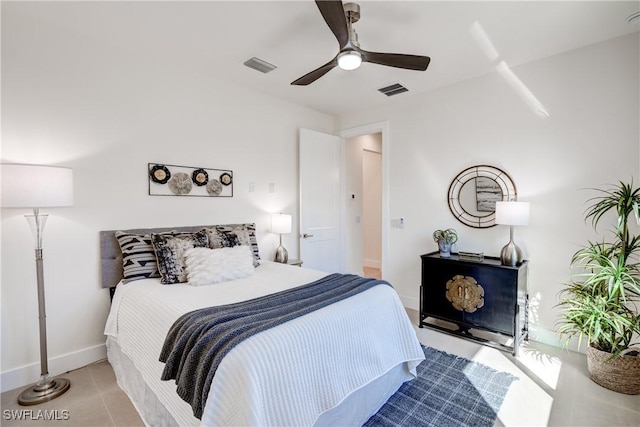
<point x="46" y="388"/>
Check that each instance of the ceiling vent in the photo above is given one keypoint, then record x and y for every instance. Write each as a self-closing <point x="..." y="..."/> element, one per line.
<point x="393" y="89"/>
<point x="260" y="65"/>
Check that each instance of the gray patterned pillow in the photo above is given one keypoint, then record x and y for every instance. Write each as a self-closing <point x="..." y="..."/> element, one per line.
<point x="230" y="235"/>
<point x="138" y="256"/>
<point x="169" y="250"/>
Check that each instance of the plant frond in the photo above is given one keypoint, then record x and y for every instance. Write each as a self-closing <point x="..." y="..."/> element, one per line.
<point x="599" y="300"/>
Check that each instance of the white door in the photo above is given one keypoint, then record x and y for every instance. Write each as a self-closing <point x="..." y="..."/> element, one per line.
<point x="320" y="207"/>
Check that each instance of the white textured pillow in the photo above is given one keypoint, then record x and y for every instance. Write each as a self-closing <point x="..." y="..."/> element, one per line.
<point x="208" y="266"/>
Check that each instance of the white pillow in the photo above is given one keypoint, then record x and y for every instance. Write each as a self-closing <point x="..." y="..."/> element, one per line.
<point x="208" y="266"/>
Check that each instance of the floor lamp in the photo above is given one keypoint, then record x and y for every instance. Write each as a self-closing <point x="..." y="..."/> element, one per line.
<point x="35" y="187"/>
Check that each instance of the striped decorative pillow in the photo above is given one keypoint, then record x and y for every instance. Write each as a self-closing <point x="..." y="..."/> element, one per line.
<point x="138" y="257"/>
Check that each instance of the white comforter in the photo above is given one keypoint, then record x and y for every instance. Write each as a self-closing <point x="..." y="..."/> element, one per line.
<point x="289" y="375"/>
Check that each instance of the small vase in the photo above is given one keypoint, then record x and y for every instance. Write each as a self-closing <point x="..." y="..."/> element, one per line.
<point x="445" y="248"/>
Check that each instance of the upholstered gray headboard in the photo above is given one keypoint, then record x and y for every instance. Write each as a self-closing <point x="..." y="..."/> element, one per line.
<point x="111" y="255"/>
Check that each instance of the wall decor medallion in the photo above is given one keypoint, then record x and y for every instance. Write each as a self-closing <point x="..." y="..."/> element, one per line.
<point x="200" y="177"/>
<point x="464" y="293"/>
<point x="225" y="179"/>
<point x="173" y="180"/>
<point x="180" y="184"/>
<point x="214" y="188"/>
<point x="160" y="174"/>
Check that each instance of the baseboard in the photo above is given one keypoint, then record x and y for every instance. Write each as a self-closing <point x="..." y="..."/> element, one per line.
<point x="546" y="336"/>
<point x="29" y="374"/>
<point x="372" y="263"/>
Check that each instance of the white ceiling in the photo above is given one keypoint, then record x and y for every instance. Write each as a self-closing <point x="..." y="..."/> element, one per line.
<point x="216" y="37"/>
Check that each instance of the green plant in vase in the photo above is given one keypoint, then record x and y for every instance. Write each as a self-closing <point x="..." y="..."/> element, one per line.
<point x="444" y="239"/>
<point x="599" y="302"/>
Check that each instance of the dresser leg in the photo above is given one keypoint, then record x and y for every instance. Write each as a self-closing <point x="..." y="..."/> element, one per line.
<point x="518" y="332"/>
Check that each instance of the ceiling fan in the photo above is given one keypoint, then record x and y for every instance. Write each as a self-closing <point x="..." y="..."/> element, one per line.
<point x="340" y="20"/>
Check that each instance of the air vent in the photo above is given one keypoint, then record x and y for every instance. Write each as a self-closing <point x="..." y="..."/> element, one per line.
<point x="260" y="65"/>
<point x="393" y="89"/>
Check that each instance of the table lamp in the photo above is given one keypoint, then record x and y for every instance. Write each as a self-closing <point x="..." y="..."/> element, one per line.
<point x="511" y="214"/>
<point x="281" y="224"/>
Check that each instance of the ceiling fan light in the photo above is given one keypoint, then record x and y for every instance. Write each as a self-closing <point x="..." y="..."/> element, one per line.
<point x="349" y="60"/>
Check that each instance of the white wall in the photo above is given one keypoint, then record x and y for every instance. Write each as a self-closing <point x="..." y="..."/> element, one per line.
<point x="590" y="139"/>
<point x="106" y="114"/>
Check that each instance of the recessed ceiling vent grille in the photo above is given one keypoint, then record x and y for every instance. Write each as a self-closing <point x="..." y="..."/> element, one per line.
<point x="260" y="65"/>
<point x="393" y="89"/>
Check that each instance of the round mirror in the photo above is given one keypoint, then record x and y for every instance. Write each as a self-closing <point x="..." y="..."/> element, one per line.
<point x="474" y="192"/>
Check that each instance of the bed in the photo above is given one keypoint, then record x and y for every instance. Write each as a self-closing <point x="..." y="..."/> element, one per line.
<point x="333" y="366"/>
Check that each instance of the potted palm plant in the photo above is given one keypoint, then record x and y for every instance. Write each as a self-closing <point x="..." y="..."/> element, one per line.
<point x="444" y="239"/>
<point x="599" y="302"/>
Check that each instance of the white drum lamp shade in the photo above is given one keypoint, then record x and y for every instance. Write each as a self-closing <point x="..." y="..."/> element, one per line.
<point x="281" y="223"/>
<point x="35" y="186"/>
<point x="512" y="213"/>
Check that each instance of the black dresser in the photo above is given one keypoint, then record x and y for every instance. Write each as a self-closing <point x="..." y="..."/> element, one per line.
<point x="483" y="301"/>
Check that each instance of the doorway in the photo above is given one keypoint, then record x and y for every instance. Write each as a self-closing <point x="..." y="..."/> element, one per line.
<point x="372" y="211"/>
<point x="365" y="211"/>
<point x="345" y="204"/>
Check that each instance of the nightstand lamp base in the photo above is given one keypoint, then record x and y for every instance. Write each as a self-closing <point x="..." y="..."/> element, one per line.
<point x="281" y="255"/>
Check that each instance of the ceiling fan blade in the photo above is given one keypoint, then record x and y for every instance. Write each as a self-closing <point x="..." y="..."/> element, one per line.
<point x="316" y="74"/>
<point x="333" y="14"/>
<point x="398" y="60"/>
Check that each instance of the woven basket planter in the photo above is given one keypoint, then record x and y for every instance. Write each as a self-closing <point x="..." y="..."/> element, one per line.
<point x="621" y="374"/>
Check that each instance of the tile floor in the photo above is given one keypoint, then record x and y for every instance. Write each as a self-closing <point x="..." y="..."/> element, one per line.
<point x="553" y="386"/>
<point x="93" y="400"/>
<point x="553" y="389"/>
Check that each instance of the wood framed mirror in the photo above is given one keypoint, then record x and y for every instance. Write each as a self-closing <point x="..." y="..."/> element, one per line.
<point x="473" y="194"/>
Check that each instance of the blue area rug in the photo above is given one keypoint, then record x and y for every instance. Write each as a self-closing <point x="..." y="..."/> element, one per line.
<point x="449" y="391"/>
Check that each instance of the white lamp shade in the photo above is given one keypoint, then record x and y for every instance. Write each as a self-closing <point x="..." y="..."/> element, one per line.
<point x="512" y="213"/>
<point x="281" y="223"/>
<point x="36" y="186"/>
